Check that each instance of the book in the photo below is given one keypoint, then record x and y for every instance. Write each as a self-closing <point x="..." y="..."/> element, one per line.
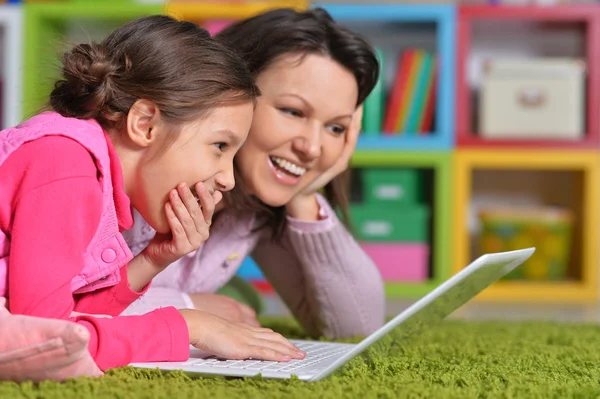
<point x="375" y="102"/>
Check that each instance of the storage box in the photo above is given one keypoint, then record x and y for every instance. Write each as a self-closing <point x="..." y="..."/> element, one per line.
<point x="533" y="99"/>
<point x="391" y="223"/>
<point x="392" y="186"/>
<point x="400" y="262"/>
<point x="547" y="229"/>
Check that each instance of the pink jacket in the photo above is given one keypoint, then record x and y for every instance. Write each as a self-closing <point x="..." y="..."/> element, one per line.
<point x="319" y="270"/>
<point x="62" y="205"/>
<point x="107" y="252"/>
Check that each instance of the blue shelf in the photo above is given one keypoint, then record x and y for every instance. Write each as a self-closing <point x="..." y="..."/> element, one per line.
<point x="444" y="16"/>
<point x="249" y="270"/>
<point x="430" y="142"/>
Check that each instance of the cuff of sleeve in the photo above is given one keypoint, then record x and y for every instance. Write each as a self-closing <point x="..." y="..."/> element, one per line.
<point x="327" y="222"/>
<point x="180" y="339"/>
<point x="189" y="304"/>
<point x="123" y="293"/>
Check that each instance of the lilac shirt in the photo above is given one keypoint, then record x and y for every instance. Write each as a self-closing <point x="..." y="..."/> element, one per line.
<point x="331" y="286"/>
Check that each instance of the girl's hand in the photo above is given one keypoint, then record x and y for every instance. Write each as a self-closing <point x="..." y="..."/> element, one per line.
<point x="237" y="341"/>
<point x="189" y="223"/>
<point x="304" y="204"/>
<point x="225" y="307"/>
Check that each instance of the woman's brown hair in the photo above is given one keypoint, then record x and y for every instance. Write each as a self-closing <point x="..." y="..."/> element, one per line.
<point x="175" y="64"/>
<point x="262" y="40"/>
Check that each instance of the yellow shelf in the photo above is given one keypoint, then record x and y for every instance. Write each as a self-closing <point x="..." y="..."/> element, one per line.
<point x="218" y="10"/>
<point x="530" y="159"/>
<point x="583" y="161"/>
<point x="550" y="292"/>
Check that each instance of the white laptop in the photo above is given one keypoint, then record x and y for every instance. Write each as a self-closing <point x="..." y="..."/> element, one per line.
<point x="323" y="358"/>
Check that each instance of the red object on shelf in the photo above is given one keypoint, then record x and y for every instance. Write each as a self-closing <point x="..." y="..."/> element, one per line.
<point x="263" y="286"/>
<point x="584" y="13"/>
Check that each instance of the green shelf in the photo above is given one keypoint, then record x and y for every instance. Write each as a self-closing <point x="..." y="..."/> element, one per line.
<point x="441" y="166"/>
<point x="45" y="26"/>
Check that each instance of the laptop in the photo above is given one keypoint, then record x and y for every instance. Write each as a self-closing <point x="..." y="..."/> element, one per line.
<point x="324" y="358"/>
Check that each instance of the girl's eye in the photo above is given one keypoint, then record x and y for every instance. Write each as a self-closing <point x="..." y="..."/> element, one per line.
<point x="337" y="129"/>
<point x="221" y="146"/>
<point x="291" y="112"/>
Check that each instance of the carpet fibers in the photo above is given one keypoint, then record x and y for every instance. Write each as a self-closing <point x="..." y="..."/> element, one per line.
<point x="455" y="360"/>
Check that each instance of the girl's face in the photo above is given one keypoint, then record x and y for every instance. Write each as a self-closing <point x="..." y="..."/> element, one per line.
<point x="202" y="152"/>
<point x="299" y="126"/>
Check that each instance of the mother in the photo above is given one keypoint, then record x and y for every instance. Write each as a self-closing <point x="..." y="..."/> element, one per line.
<point x="314" y="76"/>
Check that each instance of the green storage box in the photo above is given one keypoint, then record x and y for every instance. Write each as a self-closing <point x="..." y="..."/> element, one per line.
<point x="392" y="186"/>
<point x="391" y="223"/>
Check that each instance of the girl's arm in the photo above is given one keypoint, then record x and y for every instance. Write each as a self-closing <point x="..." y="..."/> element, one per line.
<point x="325" y="278"/>
<point x="52" y="224"/>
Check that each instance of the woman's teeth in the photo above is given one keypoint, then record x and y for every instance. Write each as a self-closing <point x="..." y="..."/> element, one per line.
<point x="288" y="166"/>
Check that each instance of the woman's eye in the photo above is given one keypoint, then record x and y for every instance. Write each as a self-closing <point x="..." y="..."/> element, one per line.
<point x="337" y="129"/>
<point x="291" y="112"/>
<point x="221" y="146"/>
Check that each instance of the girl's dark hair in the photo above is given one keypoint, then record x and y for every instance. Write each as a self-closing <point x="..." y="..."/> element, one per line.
<point x="175" y="64"/>
<point x="263" y="39"/>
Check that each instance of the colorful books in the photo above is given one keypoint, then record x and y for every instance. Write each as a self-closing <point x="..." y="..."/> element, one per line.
<point x="410" y="104"/>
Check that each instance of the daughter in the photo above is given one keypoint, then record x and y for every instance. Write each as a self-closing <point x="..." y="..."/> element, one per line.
<point x="151" y="119"/>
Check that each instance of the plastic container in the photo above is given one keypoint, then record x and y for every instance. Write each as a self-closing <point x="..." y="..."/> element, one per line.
<point x="548" y="229"/>
<point x="391" y="223"/>
<point x="392" y="186"/>
<point x="400" y="262"/>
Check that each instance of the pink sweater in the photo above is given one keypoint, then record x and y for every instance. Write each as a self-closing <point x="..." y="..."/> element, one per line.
<point x="319" y="270"/>
<point x="50" y="205"/>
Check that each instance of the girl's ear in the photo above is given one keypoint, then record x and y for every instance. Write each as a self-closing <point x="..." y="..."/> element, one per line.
<point x="142" y="120"/>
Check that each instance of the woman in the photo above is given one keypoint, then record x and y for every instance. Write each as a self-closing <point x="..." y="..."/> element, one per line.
<point x="313" y="75"/>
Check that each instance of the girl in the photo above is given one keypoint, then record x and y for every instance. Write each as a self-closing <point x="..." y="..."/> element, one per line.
<point x="151" y="119"/>
<point x="313" y="74"/>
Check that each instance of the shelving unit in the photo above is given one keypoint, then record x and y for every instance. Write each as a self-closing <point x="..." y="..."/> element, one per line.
<point x="582" y="194"/>
<point x="197" y="12"/>
<point x="432" y="27"/>
<point x="439" y="163"/>
<point x="11" y="26"/>
<point x="578" y="18"/>
<point x="367" y="19"/>
<point x="545" y="172"/>
<point x="46" y="28"/>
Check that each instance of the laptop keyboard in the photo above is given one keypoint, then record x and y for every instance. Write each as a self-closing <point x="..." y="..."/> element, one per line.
<point x="315" y="352"/>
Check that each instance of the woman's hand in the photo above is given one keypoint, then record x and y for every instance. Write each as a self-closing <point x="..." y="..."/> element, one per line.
<point x="225" y="307"/>
<point x="304" y="205"/>
<point x="189" y="222"/>
<point x="237" y="341"/>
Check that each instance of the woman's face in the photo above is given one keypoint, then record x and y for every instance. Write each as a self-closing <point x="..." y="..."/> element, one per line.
<point x="299" y="127"/>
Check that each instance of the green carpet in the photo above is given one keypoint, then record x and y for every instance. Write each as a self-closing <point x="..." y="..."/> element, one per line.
<point x="456" y="360"/>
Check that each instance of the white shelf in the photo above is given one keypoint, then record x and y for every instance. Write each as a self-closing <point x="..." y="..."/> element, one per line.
<point x="11" y="26"/>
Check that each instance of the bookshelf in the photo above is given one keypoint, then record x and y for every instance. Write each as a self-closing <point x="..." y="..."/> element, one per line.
<point x="577" y="18"/>
<point x="367" y="19"/>
<point x="394" y="28"/>
<point x="572" y="180"/>
<point x="559" y="173"/>
<point x="438" y="164"/>
<point x="206" y="10"/>
<point x="46" y="33"/>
